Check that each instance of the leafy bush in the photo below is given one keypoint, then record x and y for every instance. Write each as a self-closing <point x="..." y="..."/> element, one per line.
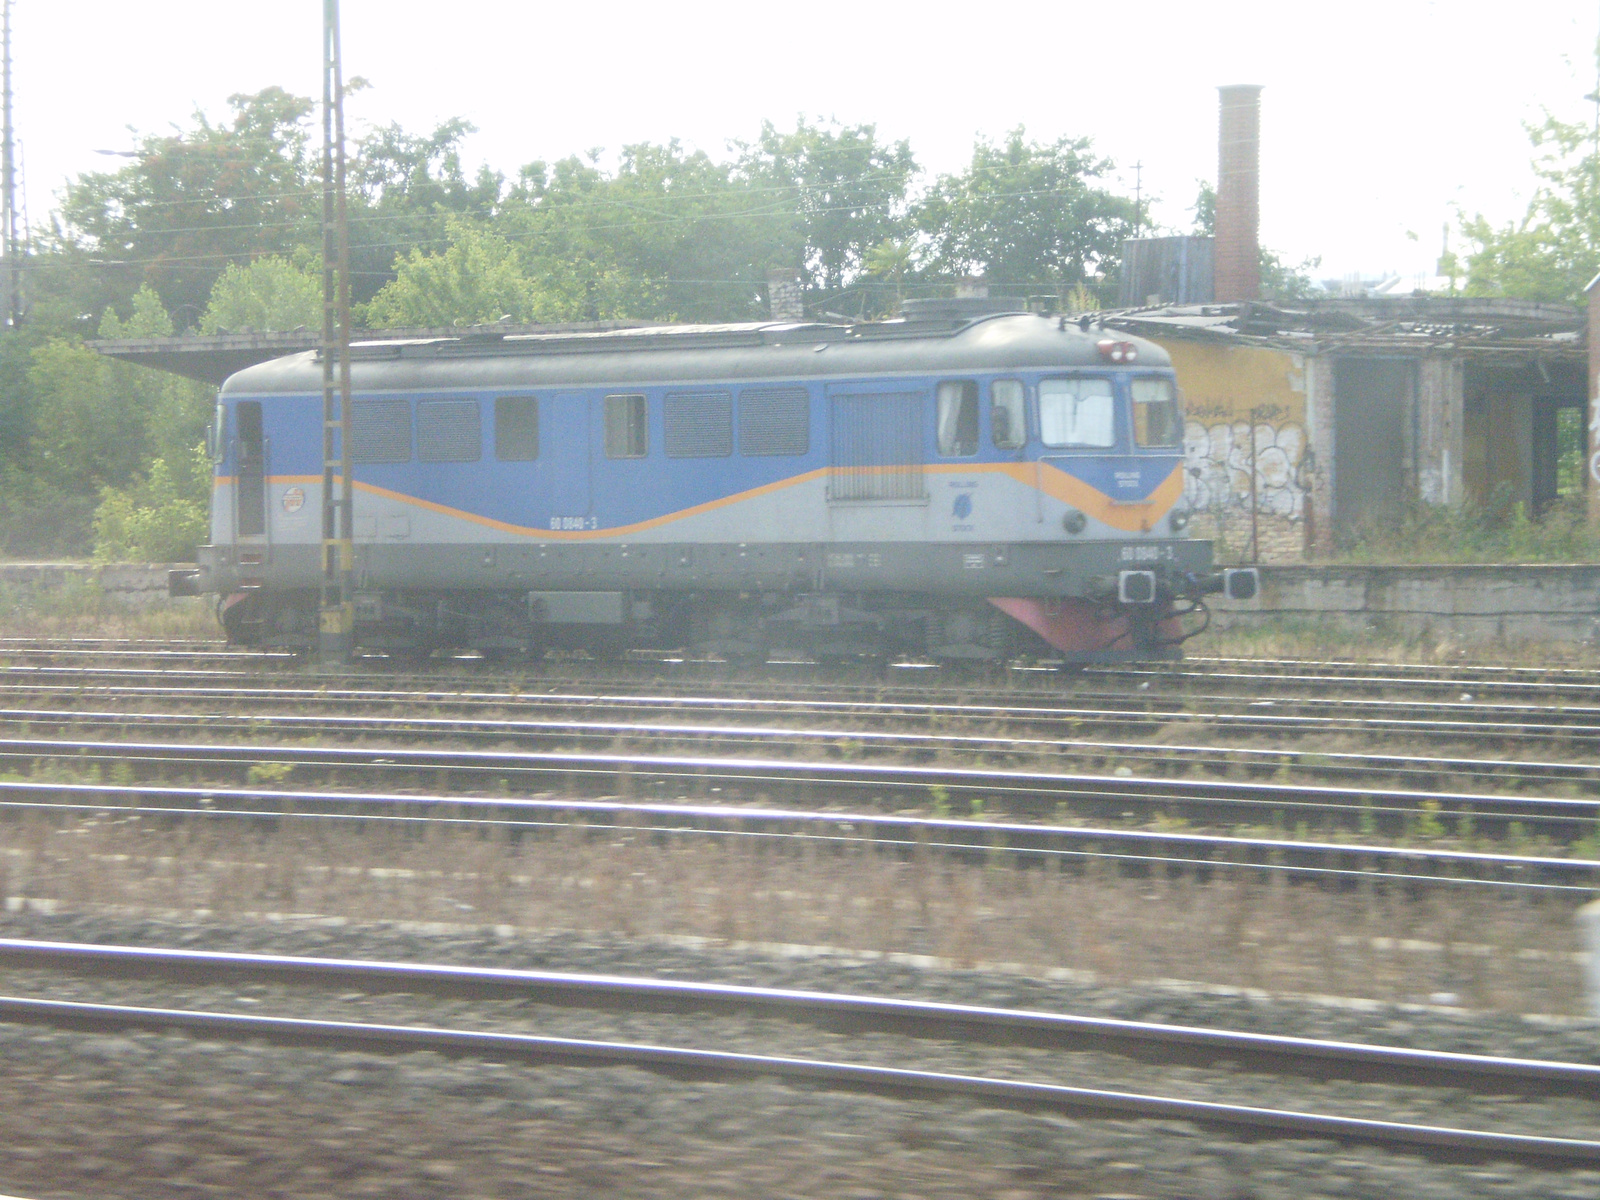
<point x="161" y="518"/>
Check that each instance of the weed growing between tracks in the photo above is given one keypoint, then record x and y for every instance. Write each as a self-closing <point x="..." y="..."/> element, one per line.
<point x="1509" y="950"/>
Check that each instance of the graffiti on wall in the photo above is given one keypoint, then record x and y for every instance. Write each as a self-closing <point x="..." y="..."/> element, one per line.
<point x="1218" y="463"/>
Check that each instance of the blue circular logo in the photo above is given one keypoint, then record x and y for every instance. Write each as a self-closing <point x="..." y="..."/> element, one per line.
<point x="963" y="506"/>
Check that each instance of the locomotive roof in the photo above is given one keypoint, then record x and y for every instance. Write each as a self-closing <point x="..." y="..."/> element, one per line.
<point x="686" y="354"/>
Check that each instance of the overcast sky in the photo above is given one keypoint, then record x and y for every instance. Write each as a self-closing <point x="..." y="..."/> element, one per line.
<point x="1379" y="119"/>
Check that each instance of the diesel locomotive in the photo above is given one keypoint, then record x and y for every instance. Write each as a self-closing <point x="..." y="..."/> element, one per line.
<point x="945" y="486"/>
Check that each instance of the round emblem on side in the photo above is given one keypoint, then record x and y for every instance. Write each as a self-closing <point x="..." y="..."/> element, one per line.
<point x="294" y="499"/>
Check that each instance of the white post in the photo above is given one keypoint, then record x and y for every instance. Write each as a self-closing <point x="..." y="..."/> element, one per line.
<point x="1588" y="918"/>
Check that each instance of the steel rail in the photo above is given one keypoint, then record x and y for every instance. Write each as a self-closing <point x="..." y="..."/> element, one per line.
<point x="718" y="1064"/>
<point x="880" y="831"/>
<point x="1238" y="671"/>
<point x="556" y="729"/>
<point x="1022" y="788"/>
<point x="1467" y="721"/>
<point x="13" y="642"/>
<point x="1321" y="672"/>
<point x="1176" y="1044"/>
<point x="1076" y="686"/>
<point x="158" y="654"/>
<point x="887" y="690"/>
<point x="1462" y="671"/>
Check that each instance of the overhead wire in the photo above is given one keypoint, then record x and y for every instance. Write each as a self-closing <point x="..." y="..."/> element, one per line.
<point x="513" y="236"/>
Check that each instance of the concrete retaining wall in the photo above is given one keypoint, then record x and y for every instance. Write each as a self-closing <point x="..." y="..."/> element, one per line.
<point x="1473" y="603"/>
<point x="138" y="583"/>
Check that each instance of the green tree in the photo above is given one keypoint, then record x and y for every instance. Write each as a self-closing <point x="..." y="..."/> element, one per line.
<point x="193" y="201"/>
<point x="1552" y="251"/>
<point x="174" y="411"/>
<point x="1204" y="209"/>
<point x="476" y="280"/>
<point x="833" y="193"/>
<point x="1028" y="216"/>
<point x="893" y="263"/>
<point x="147" y="318"/>
<point x="404" y="189"/>
<point x="669" y="236"/>
<point x="272" y="293"/>
<point x="87" y="432"/>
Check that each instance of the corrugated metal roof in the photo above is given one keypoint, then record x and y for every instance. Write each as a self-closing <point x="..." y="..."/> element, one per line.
<point x="1403" y="323"/>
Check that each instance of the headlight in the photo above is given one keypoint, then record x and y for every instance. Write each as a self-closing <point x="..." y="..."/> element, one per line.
<point x="1074" y="522"/>
<point x="1178" y="521"/>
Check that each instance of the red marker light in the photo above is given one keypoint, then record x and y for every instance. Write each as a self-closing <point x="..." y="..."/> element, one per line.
<point x="1117" y="352"/>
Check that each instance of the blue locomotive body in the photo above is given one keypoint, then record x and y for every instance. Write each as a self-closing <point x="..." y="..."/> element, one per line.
<point x="744" y="489"/>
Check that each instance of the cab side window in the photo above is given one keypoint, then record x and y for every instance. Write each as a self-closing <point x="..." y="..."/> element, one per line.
<point x="1008" y="414"/>
<point x="1157" y="419"/>
<point x="958" y="418"/>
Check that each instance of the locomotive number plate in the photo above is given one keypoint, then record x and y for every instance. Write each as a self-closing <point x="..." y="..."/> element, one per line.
<point x="1146" y="554"/>
<point x="574" y="523"/>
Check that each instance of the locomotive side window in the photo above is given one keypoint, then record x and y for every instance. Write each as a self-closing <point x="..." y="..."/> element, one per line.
<point x="380" y="431"/>
<point x="1077" y="412"/>
<point x="1008" y="414"/>
<point x="774" y="421"/>
<point x="627" y="435"/>
<point x="698" y="424"/>
<point x="1156" y="419"/>
<point x="958" y="418"/>
<point x="516" y="428"/>
<point x="217" y="434"/>
<point x="449" y="431"/>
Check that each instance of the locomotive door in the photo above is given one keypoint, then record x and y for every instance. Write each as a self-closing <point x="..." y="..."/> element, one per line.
<point x="250" y="481"/>
<point x="568" y="462"/>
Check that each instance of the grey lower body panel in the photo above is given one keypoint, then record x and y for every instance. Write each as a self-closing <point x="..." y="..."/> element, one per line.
<point x="1029" y="569"/>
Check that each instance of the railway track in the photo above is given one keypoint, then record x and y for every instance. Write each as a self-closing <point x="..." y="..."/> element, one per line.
<point x="889" y="1038"/>
<point x="823" y="781"/>
<point x="1257" y="676"/>
<point x="1348" y="862"/>
<point x="570" y="728"/>
<point x="1061" y="715"/>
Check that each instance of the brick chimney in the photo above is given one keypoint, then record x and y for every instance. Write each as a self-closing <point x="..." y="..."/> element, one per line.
<point x="1238" y="248"/>
<point x="784" y="297"/>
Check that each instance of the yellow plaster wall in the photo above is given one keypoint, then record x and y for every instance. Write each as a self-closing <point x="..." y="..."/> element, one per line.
<point x="1226" y="390"/>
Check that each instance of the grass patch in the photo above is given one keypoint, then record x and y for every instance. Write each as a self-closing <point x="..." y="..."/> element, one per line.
<point x="1499" y="530"/>
<point x="79" y="607"/>
<point x="1509" y="950"/>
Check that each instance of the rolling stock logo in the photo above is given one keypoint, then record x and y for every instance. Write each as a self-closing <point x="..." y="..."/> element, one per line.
<point x="962" y="508"/>
<point x="294" y="499"/>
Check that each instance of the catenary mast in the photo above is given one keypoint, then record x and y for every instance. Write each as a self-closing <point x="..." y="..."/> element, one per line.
<point x="336" y="637"/>
<point x="8" y="184"/>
